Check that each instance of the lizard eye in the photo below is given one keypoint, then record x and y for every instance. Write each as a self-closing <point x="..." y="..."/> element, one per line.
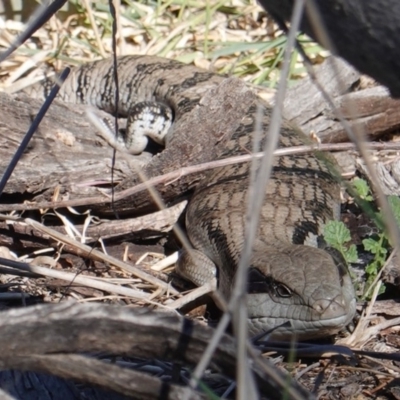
<point x="259" y="283"/>
<point x="282" y="291"/>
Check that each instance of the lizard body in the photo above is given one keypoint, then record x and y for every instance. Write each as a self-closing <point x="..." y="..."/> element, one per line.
<point x="293" y="276"/>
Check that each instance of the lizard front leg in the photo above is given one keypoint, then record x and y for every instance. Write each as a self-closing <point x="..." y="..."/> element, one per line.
<point x="146" y="119"/>
<point x="197" y="267"/>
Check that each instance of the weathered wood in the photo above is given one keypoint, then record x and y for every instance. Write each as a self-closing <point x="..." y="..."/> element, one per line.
<point x="19" y="233"/>
<point x="57" y="332"/>
<point x="304" y="101"/>
<point x="65" y="150"/>
<point x="370" y="110"/>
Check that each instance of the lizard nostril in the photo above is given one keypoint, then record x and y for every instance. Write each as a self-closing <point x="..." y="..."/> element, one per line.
<point x="322" y="305"/>
<point x="330" y="308"/>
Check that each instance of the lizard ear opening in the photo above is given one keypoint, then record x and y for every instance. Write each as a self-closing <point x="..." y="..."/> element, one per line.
<point x="257" y="282"/>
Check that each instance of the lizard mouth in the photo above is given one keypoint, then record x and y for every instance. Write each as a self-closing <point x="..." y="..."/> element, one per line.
<point x="323" y="319"/>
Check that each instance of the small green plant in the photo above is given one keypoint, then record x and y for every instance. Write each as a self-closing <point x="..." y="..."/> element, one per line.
<point x="337" y="235"/>
<point x="378" y="247"/>
<point x="362" y="189"/>
<point x="380" y="244"/>
<point x="376" y="244"/>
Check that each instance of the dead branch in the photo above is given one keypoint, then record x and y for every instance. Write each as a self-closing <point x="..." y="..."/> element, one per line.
<point x="69" y="328"/>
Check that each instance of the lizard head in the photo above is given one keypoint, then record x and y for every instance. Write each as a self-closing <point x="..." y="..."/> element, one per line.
<point x="308" y="287"/>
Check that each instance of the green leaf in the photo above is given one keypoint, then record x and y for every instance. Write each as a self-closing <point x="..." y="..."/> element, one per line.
<point x="371" y="245"/>
<point x="394" y="203"/>
<point x="336" y="233"/>
<point x="362" y="189"/>
<point x="351" y="254"/>
<point x="372" y="269"/>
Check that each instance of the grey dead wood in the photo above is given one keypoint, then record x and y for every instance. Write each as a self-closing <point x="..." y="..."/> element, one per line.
<point x="150" y="225"/>
<point x="65" y="149"/>
<point x="390" y="307"/>
<point x="365" y="33"/>
<point x="57" y="332"/>
<point x="118" y="381"/>
<point x="370" y="110"/>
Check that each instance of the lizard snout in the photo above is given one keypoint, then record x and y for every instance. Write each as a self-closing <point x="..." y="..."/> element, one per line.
<point x="329" y="308"/>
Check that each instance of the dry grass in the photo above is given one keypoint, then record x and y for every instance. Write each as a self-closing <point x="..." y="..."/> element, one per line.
<point x="228" y="36"/>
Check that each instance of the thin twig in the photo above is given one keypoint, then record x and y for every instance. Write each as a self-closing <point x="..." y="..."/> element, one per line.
<point x="97" y="255"/>
<point x="93" y="24"/>
<point x="246" y="385"/>
<point x="77" y="279"/>
<point x="193" y="169"/>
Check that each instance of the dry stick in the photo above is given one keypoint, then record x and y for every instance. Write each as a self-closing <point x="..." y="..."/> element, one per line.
<point x="237" y="301"/>
<point x="192" y="295"/>
<point x="97" y="255"/>
<point x="360" y="330"/>
<point x="93" y="24"/>
<point x="174" y="175"/>
<point x="82" y="280"/>
<point x="243" y="373"/>
<point x="120" y="39"/>
<point x="115" y="78"/>
<point x="254" y="206"/>
<point x="357" y="136"/>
